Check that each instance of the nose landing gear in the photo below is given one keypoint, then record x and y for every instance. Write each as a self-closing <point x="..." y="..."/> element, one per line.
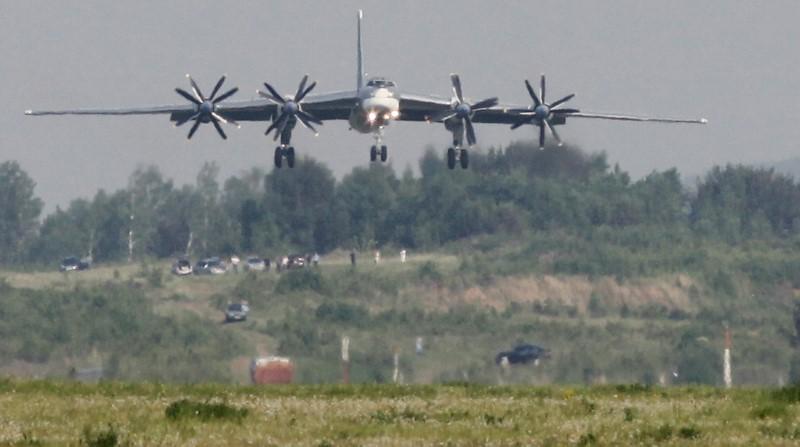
<point x="378" y="149"/>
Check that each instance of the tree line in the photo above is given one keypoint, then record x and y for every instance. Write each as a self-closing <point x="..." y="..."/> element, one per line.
<point x="506" y="191"/>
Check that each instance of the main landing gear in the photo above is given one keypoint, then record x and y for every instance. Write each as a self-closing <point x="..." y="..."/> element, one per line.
<point x="288" y="153"/>
<point x="457" y="155"/>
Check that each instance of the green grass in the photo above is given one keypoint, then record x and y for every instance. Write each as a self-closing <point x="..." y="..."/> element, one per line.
<point x="62" y="413"/>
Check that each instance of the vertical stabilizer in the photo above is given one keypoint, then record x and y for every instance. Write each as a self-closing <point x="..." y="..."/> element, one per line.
<point x="360" y="62"/>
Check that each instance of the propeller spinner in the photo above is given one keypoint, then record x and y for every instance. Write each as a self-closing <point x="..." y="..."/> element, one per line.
<point x="543" y="112"/>
<point x="206" y="108"/>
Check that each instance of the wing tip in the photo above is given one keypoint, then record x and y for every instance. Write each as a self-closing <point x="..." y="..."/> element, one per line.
<point x="29" y="112"/>
<point x="703" y="121"/>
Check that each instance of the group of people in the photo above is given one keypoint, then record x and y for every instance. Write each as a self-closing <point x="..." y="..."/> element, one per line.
<point x="377" y="256"/>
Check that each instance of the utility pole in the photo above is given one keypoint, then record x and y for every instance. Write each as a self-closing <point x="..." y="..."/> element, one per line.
<point x="346" y="360"/>
<point x="726" y="359"/>
<point x="130" y="231"/>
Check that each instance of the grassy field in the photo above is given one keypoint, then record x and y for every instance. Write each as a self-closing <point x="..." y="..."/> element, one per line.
<point x="61" y="413"/>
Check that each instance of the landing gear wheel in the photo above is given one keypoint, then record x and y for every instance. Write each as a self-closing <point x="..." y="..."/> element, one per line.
<point x="451" y="158"/>
<point x="464" y="159"/>
<point x="373" y="153"/>
<point x="384" y="153"/>
<point x="290" y="156"/>
<point x="278" y="157"/>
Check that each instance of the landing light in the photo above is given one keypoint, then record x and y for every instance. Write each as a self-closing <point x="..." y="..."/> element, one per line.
<point x="395" y="113"/>
<point x="371" y="116"/>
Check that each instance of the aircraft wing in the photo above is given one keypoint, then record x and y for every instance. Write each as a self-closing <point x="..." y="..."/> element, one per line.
<point x="421" y="107"/>
<point x="617" y="117"/>
<point x="324" y="107"/>
<point x="331" y="106"/>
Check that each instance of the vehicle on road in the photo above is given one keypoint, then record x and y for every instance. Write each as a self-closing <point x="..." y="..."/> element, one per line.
<point x="255" y="264"/>
<point x="210" y="266"/>
<point x="72" y="263"/>
<point x="523" y="354"/>
<point x="236" y="312"/>
<point x="182" y="267"/>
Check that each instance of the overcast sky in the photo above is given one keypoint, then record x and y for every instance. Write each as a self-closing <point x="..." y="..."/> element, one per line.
<point x="736" y="63"/>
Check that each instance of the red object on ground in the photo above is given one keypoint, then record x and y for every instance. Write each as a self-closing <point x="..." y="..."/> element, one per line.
<point x="271" y="370"/>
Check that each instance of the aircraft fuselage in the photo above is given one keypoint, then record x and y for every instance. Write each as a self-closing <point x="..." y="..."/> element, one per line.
<point x="377" y="106"/>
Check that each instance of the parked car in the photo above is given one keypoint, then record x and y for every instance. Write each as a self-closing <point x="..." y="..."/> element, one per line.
<point x="72" y="263"/>
<point x="255" y="264"/>
<point x="182" y="267"/>
<point x="210" y="266"/>
<point x="524" y="353"/>
<point x="296" y="261"/>
<point x="236" y="312"/>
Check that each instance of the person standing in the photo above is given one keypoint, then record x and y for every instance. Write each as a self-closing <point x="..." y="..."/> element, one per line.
<point x="353" y="258"/>
<point x="403" y="256"/>
<point x="377" y="256"/>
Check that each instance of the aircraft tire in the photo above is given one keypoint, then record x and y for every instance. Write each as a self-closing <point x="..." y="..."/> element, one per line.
<point x="290" y="157"/>
<point x="373" y="153"/>
<point x="451" y="158"/>
<point x="464" y="159"/>
<point x="384" y="153"/>
<point x="278" y="157"/>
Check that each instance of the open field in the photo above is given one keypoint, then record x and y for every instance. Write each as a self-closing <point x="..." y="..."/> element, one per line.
<point x="60" y="413"/>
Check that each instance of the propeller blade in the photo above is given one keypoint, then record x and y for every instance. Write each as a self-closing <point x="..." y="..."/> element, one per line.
<point x="542" y="89"/>
<point x="274" y="124"/>
<point x="194" y="128"/>
<point x="226" y="95"/>
<point x="561" y="101"/>
<point x="196" y="89"/>
<point x="300" y="88"/>
<point x="557" y="111"/>
<point x="306" y="123"/>
<point x="219" y="129"/>
<point x="534" y="97"/>
<point x="306" y="91"/>
<point x="541" y="135"/>
<point x="309" y="117"/>
<point x="216" y="88"/>
<point x="444" y="115"/>
<point x="457" y="87"/>
<point x="485" y="104"/>
<point x="553" y="132"/>
<point x="186" y="95"/>
<point x="471" y="140"/>
<point x="520" y="123"/>
<point x="224" y="120"/>
<point x="187" y="119"/>
<point x="275" y="95"/>
<point x="269" y="97"/>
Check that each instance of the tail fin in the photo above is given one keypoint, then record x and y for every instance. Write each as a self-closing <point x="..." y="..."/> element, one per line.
<point x="360" y="62"/>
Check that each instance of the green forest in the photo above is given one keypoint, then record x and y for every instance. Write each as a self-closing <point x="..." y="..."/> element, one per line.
<point x="510" y="193"/>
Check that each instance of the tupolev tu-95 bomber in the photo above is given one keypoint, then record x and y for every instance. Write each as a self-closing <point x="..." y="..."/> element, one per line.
<point x="368" y="109"/>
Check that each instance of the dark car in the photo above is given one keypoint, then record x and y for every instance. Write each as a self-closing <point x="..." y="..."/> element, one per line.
<point x="236" y="312"/>
<point x="522" y="354"/>
<point x="210" y="266"/>
<point x="72" y="263"/>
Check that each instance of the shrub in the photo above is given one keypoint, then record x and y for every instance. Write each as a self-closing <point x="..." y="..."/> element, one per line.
<point x="204" y="411"/>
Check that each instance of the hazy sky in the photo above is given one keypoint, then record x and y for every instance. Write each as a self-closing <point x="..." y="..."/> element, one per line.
<point x="736" y="63"/>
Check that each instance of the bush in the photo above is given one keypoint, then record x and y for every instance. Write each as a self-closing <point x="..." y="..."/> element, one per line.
<point x="302" y="279"/>
<point x="204" y="411"/>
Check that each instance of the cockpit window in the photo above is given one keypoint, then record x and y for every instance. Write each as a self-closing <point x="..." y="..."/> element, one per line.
<point x="379" y="82"/>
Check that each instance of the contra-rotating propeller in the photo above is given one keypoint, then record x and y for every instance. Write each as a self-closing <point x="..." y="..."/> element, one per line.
<point x="290" y="107"/>
<point x="543" y="112"/>
<point x="463" y="110"/>
<point x="206" y="110"/>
